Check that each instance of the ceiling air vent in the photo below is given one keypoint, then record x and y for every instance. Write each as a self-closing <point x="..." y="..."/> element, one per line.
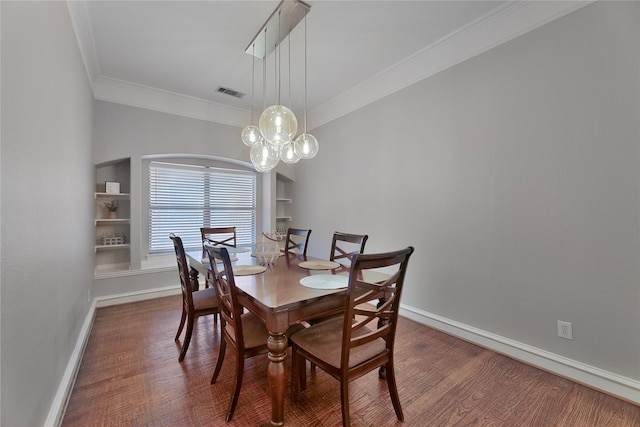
<point x="228" y="91"/>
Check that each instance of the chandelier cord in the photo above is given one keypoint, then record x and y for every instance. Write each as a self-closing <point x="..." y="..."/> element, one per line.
<point x="276" y="89"/>
<point x="289" y="66"/>
<point x="278" y="54"/>
<point x="264" y="73"/>
<point x="253" y="79"/>
<point x="305" y="74"/>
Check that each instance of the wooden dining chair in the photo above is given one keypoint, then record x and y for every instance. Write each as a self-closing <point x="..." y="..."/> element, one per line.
<point x="363" y="339"/>
<point x="195" y="303"/>
<point x="219" y="235"/>
<point x="344" y="246"/>
<point x="297" y="241"/>
<point x="244" y="332"/>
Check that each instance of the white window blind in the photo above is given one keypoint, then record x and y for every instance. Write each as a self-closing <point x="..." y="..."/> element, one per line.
<point x="184" y="198"/>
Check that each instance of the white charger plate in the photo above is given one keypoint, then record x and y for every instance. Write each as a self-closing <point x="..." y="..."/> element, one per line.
<point x="319" y="265"/>
<point x="248" y="270"/>
<point x="325" y="281"/>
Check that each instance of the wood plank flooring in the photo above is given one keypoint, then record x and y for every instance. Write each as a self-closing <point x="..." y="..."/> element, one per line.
<point x="130" y="376"/>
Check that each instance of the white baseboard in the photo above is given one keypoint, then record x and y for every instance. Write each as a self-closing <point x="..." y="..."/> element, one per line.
<point x="59" y="405"/>
<point x="599" y="379"/>
<point x="126" y="297"/>
<point x="56" y="412"/>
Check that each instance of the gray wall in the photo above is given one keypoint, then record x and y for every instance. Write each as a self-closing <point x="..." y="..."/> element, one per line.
<point x="47" y="205"/>
<point x="516" y="176"/>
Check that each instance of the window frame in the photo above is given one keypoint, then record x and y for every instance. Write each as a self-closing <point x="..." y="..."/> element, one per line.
<point x="216" y="164"/>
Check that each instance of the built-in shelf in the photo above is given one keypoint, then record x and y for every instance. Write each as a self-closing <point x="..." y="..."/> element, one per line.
<point x="113" y="195"/>
<point x="114" y="257"/>
<point x="112" y="221"/>
<point x="283" y="202"/>
<point x="111" y="247"/>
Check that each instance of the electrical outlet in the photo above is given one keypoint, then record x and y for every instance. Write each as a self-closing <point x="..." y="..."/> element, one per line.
<point x="565" y="330"/>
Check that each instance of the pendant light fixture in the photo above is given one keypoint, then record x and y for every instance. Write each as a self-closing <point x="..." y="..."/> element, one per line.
<point x="278" y="125"/>
<point x="264" y="156"/>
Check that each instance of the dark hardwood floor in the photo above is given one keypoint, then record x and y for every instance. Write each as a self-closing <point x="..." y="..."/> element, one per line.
<point x="130" y="376"/>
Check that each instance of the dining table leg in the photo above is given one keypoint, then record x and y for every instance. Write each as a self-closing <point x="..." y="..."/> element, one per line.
<point x="277" y="346"/>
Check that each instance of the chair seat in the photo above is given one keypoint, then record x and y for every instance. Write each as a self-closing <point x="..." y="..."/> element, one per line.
<point x="324" y="341"/>
<point x="205" y="299"/>
<point x="253" y="330"/>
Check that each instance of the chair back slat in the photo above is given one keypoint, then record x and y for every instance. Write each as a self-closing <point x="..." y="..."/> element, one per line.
<point x="297" y="241"/>
<point x="219" y="235"/>
<point x="344" y="246"/>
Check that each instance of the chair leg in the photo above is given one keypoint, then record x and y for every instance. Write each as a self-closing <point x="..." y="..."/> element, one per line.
<point x="302" y="367"/>
<point x="187" y="337"/>
<point x="393" y="390"/>
<point x="238" y="385"/>
<point x="182" y="319"/>
<point x="344" y="396"/>
<point x="295" y="374"/>
<point x="298" y="373"/>
<point x="223" y="348"/>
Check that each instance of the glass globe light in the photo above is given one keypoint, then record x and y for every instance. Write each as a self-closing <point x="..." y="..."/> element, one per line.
<point x="288" y="153"/>
<point x="250" y="135"/>
<point x="278" y="124"/>
<point x="264" y="156"/>
<point x="306" y="146"/>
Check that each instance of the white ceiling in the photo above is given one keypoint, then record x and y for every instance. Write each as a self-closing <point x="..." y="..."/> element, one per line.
<point x="172" y="55"/>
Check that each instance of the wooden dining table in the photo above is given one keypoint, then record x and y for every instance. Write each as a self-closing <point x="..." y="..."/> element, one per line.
<point x="278" y="298"/>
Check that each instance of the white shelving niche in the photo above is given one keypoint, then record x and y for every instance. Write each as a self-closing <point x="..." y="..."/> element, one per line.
<point x="112" y="247"/>
<point x="283" y="203"/>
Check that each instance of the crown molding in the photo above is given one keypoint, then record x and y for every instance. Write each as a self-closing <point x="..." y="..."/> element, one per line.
<point x="493" y="29"/>
<point x="499" y="26"/>
<point x="127" y="93"/>
<point x="81" y="23"/>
